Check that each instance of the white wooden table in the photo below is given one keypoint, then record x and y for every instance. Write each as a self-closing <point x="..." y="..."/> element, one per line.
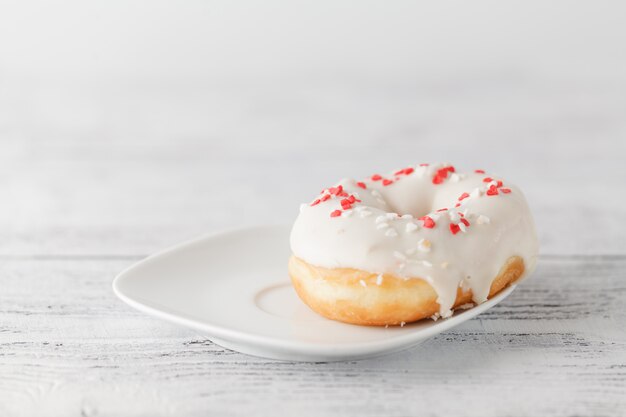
<point x="92" y="181"/>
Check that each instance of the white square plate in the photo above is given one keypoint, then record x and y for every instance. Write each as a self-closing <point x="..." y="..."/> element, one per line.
<point x="234" y="287"/>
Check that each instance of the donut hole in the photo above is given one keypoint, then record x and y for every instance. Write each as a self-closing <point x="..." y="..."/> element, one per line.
<point x="415" y="205"/>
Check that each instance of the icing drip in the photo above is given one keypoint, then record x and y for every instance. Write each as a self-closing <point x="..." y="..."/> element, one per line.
<point x="429" y="221"/>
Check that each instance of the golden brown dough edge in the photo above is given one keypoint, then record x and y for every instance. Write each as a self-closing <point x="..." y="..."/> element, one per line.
<point x="337" y="293"/>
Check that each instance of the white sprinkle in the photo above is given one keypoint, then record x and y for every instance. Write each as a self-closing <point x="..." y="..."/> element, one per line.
<point x="465" y="306"/>
<point x="380" y="219"/>
<point x="356" y="195"/>
<point x="407" y="216"/>
<point x="382" y="225"/>
<point x="462" y="227"/>
<point x="410" y="251"/>
<point x="446" y="314"/>
<point x="493" y="183"/>
<point x="363" y="284"/>
<point x="444" y="265"/>
<point x="402" y="324"/>
<point x="379" y="279"/>
<point x="399" y="255"/>
<point x="455" y="178"/>
<point x="476" y="193"/>
<point x="454" y="216"/>
<point x="427" y="264"/>
<point x="424" y="245"/>
<point x="391" y="233"/>
<point x="435" y="316"/>
<point x="302" y="207"/>
<point x="392" y="216"/>
<point x="483" y="219"/>
<point x="411" y="227"/>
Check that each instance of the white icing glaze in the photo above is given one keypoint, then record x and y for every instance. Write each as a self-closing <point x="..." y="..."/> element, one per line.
<point x="385" y="233"/>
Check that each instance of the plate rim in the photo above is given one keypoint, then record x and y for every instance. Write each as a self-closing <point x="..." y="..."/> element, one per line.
<point x="393" y="343"/>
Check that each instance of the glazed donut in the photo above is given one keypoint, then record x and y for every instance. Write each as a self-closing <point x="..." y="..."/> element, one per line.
<point x="419" y="242"/>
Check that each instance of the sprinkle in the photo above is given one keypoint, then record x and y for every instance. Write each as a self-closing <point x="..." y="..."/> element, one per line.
<point x="475" y="193"/>
<point x="335" y="213"/>
<point x="482" y="219"/>
<point x="427" y="222"/>
<point x="479" y="171"/>
<point x="380" y="219"/>
<point x="352" y="199"/>
<point x="492" y="190"/>
<point x="423" y="165"/>
<point x="364" y="213"/>
<point x="387" y="182"/>
<point x="487" y="179"/>
<point x="335" y="190"/>
<point x="325" y="197"/>
<point x="406" y="216"/>
<point x="454" y="216"/>
<point x="391" y="216"/>
<point x="455" y="178"/>
<point x="363" y="284"/>
<point x="391" y="233"/>
<point x="454" y="228"/>
<point x="499" y="183"/>
<point x="462" y="227"/>
<point x="376" y="177"/>
<point x="345" y="204"/>
<point x="399" y="255"/>
<point x="424" y="245"/>
<point x="315" y="203"/>
<point x="379" y="279"/>
<point x="382" y="226"/>
<point x="408" y="171"/>
<point x="411" y="227"/>
<point x="505" y="190"/>
<point x="442" y="209"/>
<point x="463" y="196"/>
<point x="465" y="222"/>
<point x="348" y="213"/>
<point x="361" y="184"/>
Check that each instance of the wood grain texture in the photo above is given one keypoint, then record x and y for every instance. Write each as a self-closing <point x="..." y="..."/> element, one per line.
<point x="68" y="347"/>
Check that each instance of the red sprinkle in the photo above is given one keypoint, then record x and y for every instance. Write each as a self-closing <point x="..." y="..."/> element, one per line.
<point x="442" y="174"/>
<point x="362" y="185"/>
<point x="423" y="165"/>
<point x="342" y="194"/>
<point x="463" y="196"/>
<point x="408" y="171"/>
<point x="335" y="213"/>
<point x="352" y="199"/>
<point x="387" y="182"/>
<point x="457" y="205"/>
<point x="442" y="209"/>
<point x="499" y="183"/>
<point x="427" y="222"/>
<point x="479" y="171"/>
<point x="454" y="228"/>
<point x="336" y="190"/>
<point x="493" y="190"/>
<point x="346" y="204"/>
<point x="315" y="203"/>
<point x="376" y="177"/>
<point x="465" y="222"/>
<point x="325" y="197"/>
<point x="505" y="190"/>
<point x="487" y="179"/>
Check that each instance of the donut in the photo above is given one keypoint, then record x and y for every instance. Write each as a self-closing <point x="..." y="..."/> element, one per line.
<point x="417" y="243"/>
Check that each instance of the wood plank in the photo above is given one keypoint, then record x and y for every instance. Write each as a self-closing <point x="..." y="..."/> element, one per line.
<point x="557" y="346"/>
